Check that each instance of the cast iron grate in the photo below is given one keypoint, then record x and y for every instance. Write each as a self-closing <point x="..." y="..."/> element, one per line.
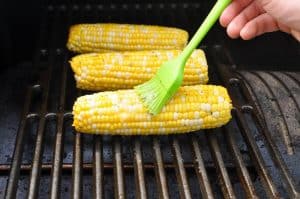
<point x="236" y="161"/>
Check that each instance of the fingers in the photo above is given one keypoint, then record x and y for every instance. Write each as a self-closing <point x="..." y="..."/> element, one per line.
<point x="250" y="18"/>
<point x="259" y="25"/>
<point x="232" y="10"/>
<point x="236" y="25"/>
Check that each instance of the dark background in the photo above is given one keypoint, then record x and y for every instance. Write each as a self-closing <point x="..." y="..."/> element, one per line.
<point x="20" y="22"/>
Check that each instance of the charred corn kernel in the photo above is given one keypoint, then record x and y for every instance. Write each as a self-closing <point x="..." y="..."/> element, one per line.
<point x="121" y="113"/>
<point x="110" y="71"/>
<point x="85" y="38"/>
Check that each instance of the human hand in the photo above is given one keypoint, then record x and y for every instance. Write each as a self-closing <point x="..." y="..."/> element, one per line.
<point x="250" y="18"/>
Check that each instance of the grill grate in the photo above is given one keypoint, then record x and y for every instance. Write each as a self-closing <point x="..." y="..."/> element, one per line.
<point x="231" y="162"/>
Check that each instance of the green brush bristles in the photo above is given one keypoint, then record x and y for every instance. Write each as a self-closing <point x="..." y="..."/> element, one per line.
<point x="153" y="95"/>
<point x="156" y="92"/>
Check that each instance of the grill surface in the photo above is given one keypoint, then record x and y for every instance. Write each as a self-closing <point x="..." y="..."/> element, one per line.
<point x="44" y="156"/>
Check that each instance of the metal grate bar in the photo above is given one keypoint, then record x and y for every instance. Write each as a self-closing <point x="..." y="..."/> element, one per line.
<point x="284" y="127"/>
<point x="11" y="188"/>
<point x="180" y="170"/>
<point x="256" y="156"/>
<point x="257" y="104"/>
<point x="139" y="170"/>
<point x="274" y="153"/>
<point x="200" y="170"/>
<point x="57" y="160"/>
<point x="46" y="167"/>
<point x="159" y="170"/>
<point x="241" y="168"/>
<point x="290" y="75"/>
<point x="58" y="144"/>
<point x="216" y="154"/>
<point x="118" y="170"/>
<point x="273" y="150"/>
<point x="293" y="96"/>
<point x="37" y="161"/>
<point x="98" y="167"/>
<point x="38" y="152"/>
<point x="77" y="169"/>
<point x="279" y="162"/>
<point x="253" y="148"/>
<point x="45" y="86"/>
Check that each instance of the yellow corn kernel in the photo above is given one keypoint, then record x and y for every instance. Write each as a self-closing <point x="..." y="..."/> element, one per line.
<point x="111" y="71"/>
<point x="121" y="113"/>
<point x="84" y="38"/>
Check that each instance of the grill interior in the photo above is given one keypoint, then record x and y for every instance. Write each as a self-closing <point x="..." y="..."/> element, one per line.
<point x="255" y="155"/>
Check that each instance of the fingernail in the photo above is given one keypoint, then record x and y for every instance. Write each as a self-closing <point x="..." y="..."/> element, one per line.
<point x="247" y="33"/>
<point x="232" y="31"/>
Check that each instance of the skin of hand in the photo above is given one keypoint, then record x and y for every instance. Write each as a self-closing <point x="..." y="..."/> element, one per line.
<point x="250" y="18"/>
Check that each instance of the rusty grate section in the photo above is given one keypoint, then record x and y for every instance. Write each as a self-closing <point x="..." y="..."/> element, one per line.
<point x="240" y="160"/>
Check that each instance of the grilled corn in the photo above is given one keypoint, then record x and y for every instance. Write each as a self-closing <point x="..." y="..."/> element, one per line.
<point x="84" y="38"/>
<point x="111" y="71"/>
<point x="121" y="113"/>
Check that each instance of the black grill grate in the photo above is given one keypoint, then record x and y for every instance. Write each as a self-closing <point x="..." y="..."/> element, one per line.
<point x="236" y="161"/>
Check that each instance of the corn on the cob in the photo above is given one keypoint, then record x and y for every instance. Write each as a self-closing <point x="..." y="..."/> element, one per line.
<point x="84" y="38"/>
<point x="110" y="71"/>
<point x="121" y="113"/>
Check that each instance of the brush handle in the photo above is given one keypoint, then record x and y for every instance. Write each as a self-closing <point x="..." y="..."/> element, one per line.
<point x="209" y="21"/>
